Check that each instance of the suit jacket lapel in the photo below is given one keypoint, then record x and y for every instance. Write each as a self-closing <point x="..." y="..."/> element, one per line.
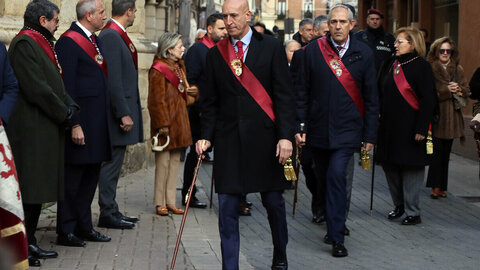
<point x="253" y="51"/>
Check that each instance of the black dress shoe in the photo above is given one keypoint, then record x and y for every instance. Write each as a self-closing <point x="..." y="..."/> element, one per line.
<point x="244" y="210"/>
<point x="326" y="239"/>
<point x="248" y="203"/>
<point x="37" y="252"/>
<point x="33" y="261"/>
<point x="279" y="261"/>
<point x="318" y="219"/>
<point x="114" y="223"/>
<point x="346" y="231"/>
<point x="94" y="236"/>
<point x="195" y="203"/>
<point x="412" y="220"/>
<point x="70" y="240"/>
<point x="125" y="218"/>
<point x="397" y="212"/>
<point x="339" y="250"/>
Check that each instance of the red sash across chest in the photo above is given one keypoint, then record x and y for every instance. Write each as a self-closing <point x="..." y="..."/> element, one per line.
<point x="87" y="46"/>
<point x="247" y="79"/>
<point x="43" y="43"/>
<point x="404" y="87"/>
<point x="341" y="73"/>
<point x="126" y="39"/>
<point x="207" y="42"/>
<point x="170" y="76"/>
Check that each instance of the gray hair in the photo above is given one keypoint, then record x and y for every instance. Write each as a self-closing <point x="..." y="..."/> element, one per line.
<point x="200" y="30"/>
<point x="304" y="22"/>
<point x="39" y="8"/>
<point x="319" y="20"/>
<point x="290" y="41"/>
<point x="350" y="13"/>
<point x="167" y="41"/>
<point x="85" y="6"/>
<point x="119" y="7"/>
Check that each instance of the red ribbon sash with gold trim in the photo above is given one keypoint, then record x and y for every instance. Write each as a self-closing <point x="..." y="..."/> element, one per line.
<point x="247" y="79"/>
<point x="170" y="76"/>
<point x="87" y="46"/>
<point x="207" y="42"/>
<point x="341" y="73"/>
<point x="126" y="39"/>
<point x="42" y="42"/>
<point x="404" y="87"/>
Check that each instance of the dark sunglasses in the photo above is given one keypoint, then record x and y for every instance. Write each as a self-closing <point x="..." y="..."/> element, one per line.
<point x="443" y="51"/>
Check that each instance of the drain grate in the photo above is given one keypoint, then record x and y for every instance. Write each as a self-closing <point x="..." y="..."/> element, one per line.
<point x="471" y="199"/>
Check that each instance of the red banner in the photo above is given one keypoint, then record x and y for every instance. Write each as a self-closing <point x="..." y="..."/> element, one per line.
<point x="247" y="79"/>
<point x="126" y="39"/>
<point x="88" y="47"/>
<point x="341" y="73"/>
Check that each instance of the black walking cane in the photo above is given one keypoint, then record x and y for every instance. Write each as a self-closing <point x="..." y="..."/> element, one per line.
<point x="373" y="179"/>
<point x="298" y="154"/>
<point x="211" y="189"/>
<point x="187" y="204"/>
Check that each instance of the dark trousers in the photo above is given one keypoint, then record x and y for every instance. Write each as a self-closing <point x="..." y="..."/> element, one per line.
<point x="315" y="185"/>
<point x="438" y="170"/>
<point x="229" y="229"/>
<point x="108" y="181"/>
<point x="74" y="214"/>
<point x="332" y="165"/>
<point x="32" y="214"/>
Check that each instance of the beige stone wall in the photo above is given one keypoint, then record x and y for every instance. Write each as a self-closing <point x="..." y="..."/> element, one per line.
<point x="149" y="24"/>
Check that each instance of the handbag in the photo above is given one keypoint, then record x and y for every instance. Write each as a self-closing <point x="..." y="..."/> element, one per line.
<point x="459" y="102"/>
<point x="156" y="147"/>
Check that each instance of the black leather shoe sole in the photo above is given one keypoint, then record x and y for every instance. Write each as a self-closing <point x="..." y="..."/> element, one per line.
<point x="70" y="241"/>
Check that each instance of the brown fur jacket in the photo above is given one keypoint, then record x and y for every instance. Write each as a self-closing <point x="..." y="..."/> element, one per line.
<point x="167" y="107"/>
<point x="451" y="124"/>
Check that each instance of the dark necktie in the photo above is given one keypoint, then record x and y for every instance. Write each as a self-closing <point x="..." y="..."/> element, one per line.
<point x="339" y="48"/>
<point x="94" y="42"/>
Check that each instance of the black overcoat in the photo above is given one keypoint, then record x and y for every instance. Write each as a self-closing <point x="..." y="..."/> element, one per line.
<point x="86" y="83"/>
<point x="399" y="122"/>
<point x="243" y="135"/>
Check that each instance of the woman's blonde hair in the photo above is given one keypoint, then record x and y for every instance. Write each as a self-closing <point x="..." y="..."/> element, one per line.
<point x="167" y="41"/>
<point x="415" y="37"/>
<point x="435" y="50"/>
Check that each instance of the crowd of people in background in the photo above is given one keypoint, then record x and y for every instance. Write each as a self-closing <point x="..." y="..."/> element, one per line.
<point x="329" y="90"/>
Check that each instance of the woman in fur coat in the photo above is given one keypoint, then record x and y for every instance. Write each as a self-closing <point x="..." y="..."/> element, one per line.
<point x="450" y="83"/>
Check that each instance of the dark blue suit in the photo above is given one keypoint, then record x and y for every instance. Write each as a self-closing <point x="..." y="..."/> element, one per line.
<point x="86" y="83"/>
<point x="334" y="125"/>
<point x="8" y="86"/>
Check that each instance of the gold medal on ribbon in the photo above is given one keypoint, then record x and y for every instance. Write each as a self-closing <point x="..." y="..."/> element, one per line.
<point x="397" y="70"/>
<point x="338" y="72"/>
<point x="237" y="66"/>
<point x="132" y="48"/>
<point x="181" y="88"/>
<point x="99" y="59"/>
<point x="334" y="64"/>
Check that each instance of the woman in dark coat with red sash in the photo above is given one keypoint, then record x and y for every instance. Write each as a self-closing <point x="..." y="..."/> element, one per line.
<point x="407" y="100"/>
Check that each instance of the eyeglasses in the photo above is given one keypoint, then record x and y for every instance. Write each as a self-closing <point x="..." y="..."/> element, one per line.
<point x="444" y="51"/>
<point x="400" y="41"/>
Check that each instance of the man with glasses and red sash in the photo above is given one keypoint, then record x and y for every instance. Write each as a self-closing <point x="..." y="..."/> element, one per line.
<point x="340" y="112"/>
<point x="248" y="115"/>
<point x="88" y="141"/>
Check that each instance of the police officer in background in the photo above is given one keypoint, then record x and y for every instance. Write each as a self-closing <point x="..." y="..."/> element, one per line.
<point x="379" y="40"/>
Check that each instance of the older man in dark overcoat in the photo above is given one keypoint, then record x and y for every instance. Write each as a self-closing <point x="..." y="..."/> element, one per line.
<point x="37" y="128"/>
<point x="338" y="105"/>
<point x="248" y="115"/>
<point x="85" y="77"/>
<point x="126" y="112"/>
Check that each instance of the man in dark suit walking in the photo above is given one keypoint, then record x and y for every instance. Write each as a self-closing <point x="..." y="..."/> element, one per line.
<point x="338" y="104"/>
<point x="126" y="115"/>
<point x="248" y="115"/>
<point x="85" y="78"/>
<point x="195" y="63"/>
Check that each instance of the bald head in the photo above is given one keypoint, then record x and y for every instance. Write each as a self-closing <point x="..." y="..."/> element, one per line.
<point x="236" y="16"/>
